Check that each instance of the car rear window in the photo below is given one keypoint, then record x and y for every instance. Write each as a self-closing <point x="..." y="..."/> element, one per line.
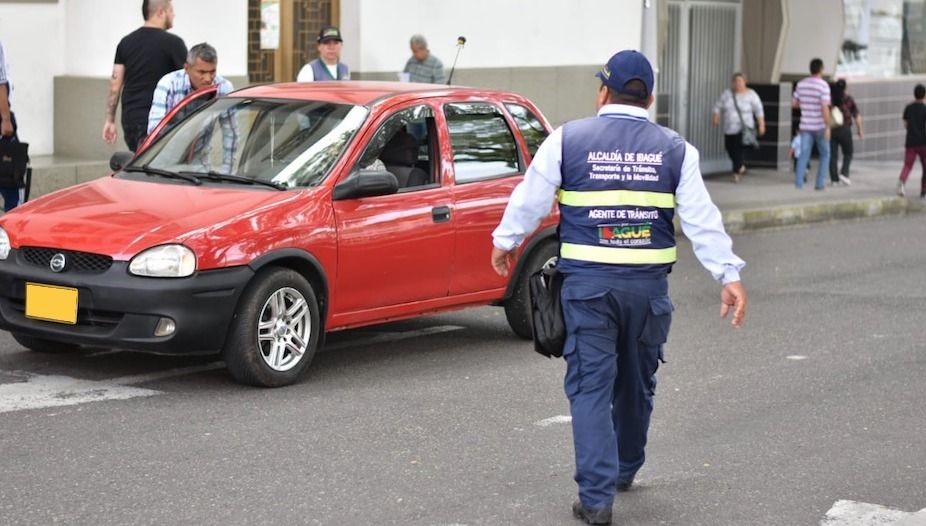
<point x="532" y="128"/>
<point x="483" y="144"/>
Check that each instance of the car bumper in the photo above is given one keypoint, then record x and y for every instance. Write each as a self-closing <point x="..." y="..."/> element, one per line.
<point x="118" y="310"/>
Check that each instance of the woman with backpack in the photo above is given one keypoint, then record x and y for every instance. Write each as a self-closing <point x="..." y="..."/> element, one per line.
<point x="842" y="113"/>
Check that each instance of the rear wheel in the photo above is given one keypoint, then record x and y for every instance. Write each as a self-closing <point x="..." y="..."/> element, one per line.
<point x="42" y="345"/>
<point x="518" y="306"/>
<point x="275" y="331"/>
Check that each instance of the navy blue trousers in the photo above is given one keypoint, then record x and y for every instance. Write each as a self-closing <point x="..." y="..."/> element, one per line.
<point x="615" y="329"/>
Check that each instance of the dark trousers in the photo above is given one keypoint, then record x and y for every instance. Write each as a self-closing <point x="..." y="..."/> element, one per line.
<point x="135" y="133"/>
<point x="910" y="155"/>
<point x="840" y="137"/>
<point x="615" y="329"/>
<point x="11" y="194"/>
<point x="734" y="145"/>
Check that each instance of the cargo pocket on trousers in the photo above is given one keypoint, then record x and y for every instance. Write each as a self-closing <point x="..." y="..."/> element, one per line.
<point x="588" y="324"/>
<point x="657" y="323"/>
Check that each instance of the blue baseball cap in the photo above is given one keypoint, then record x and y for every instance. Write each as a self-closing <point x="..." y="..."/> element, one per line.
<point x="625" y="66"/>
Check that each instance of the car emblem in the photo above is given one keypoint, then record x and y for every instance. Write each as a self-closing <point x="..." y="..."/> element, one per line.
<point x="58" y="262"/>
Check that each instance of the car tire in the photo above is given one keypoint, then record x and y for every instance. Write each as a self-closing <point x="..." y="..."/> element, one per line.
<point x="518" y="305"/>
<point x="267" y="345"/>
<point x="42" y="345"/>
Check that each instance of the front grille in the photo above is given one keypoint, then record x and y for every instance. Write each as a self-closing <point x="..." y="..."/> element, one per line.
<point x="94" y="318"/>
<point x="76" y="261"/>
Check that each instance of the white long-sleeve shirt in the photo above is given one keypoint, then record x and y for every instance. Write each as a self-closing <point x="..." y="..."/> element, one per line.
<point x="701" y="222"/>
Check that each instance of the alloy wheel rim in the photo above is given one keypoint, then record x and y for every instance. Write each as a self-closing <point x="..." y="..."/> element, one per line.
<point x="284" y="329"/>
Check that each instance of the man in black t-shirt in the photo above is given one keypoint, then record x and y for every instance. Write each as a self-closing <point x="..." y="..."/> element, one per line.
<point x="142" y="58"/>
<point x="914" y="118"/>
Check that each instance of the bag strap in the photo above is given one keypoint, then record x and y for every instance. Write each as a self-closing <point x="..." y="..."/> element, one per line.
<point x="738" y="112"/>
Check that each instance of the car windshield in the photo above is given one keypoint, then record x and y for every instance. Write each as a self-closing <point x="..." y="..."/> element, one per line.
<point x="282" y="142"/>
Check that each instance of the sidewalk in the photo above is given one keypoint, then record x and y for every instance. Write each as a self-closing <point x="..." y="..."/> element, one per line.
<point x="767" y="198"/>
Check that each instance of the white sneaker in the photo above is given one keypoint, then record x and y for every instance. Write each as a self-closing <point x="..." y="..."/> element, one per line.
<point x="845" y="180"/>
<point x="901" y="191"/>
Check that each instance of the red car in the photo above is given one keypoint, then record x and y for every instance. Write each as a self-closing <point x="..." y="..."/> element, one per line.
<point x="251" y="224"/>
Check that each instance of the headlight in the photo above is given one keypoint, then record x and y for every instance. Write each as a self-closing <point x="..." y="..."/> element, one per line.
<point x="166" y="261"/>
<point x="4" y="244"/>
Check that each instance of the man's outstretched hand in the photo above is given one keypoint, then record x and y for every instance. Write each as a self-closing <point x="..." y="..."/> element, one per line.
<point x="733" y="295"/>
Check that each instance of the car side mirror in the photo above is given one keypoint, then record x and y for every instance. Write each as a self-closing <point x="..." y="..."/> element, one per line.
<point x="119" y="160"/>
<point x="366" y="183"/>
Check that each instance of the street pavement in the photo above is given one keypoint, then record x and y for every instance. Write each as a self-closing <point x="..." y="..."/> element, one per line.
<point x="812" y="414"/>
<point x="768" y="198"/>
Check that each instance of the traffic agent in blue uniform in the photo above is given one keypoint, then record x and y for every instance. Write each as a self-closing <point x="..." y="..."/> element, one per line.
<point x="619" y="180"/>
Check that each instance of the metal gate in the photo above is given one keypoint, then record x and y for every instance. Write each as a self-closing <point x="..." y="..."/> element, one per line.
<point x="701" y="52"/>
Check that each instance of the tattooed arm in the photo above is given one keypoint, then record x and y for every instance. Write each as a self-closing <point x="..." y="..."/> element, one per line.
<point x="115" y="93"/>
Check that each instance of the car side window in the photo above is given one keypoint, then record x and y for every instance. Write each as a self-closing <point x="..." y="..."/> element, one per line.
<point x="531" y="127"/>
<point x="483" y="144"/>
<point x="403" y="145"/>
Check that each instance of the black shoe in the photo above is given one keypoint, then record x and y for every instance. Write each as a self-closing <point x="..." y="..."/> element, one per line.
<point x="624" y="485"/>
<point x="591" y="516"/>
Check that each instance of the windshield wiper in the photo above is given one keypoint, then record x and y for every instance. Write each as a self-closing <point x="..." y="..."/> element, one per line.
<point x="218" y="176"/>
<point x="146" y="169"/>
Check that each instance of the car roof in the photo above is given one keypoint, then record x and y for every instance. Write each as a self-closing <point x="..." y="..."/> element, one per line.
<point x="363" y="93"/>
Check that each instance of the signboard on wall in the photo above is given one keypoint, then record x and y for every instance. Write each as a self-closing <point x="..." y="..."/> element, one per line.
<point x="270" y="24"/>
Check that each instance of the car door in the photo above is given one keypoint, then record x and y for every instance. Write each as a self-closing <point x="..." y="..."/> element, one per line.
<point x="487" y="164"/>
<point x="396" y="249"/>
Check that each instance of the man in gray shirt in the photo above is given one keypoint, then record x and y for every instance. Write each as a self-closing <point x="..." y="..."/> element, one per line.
<point x="423" y="66"/>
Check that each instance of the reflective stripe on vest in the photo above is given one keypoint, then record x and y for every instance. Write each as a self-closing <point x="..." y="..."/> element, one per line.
<point x="617" y="255"/>
<point x="616" y="198"/>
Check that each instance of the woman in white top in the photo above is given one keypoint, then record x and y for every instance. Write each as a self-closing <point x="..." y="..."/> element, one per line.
<point x="739" y="106"/>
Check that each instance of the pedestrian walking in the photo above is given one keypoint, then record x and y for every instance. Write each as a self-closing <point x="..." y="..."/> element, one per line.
<point x="11" y="191"/>
<point x="619" y="179"/>
<point x="812" y="96"/>
<point x="740" y="110"/>
<point x="328" y="65"/>
<point x="844" y="113"/>
<point x="914" y="119"/>
<point x="423" y="66"/>
<point x="142" y="58"/>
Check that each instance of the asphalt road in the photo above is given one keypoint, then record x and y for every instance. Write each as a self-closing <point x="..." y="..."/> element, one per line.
<point x="442" y="420"/>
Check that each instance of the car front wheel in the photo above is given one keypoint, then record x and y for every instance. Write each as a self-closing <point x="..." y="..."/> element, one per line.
<point x="518" y="305"/>
<point x="275" y="331"/>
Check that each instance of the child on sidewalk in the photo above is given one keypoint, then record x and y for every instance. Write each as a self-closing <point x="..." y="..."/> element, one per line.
<point x="795" y="151"/>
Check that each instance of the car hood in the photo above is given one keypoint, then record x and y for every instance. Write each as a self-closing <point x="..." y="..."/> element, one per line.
<point x="121" y="217"/>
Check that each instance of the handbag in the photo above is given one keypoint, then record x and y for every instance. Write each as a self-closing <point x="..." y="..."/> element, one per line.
<point x="837" y="118"/>
<point x="750" y="137"/>
<point x="14" y="161"/>
<point x="547" y="324"/>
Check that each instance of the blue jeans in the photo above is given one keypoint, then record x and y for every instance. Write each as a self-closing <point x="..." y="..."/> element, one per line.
<point x="808" y="139"/>
<point x="615" y="329"/>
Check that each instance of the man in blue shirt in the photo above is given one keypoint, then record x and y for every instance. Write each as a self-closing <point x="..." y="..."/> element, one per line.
<point x="619" y="180"/>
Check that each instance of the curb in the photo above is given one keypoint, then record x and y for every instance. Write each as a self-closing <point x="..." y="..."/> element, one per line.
<point x="737" y="221"/>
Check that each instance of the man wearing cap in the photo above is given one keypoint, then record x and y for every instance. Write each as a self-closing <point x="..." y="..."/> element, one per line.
<point x="619" y="179"/>
<point x="328" y="65"/>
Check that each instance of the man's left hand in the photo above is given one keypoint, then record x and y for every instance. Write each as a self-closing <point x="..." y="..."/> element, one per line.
<point x="501" y="261"/>
<point x="7" y="128"/>
<point x="733" y="295"/>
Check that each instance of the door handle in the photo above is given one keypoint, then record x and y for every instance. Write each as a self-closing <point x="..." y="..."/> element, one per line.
<point x="440" y="214"/>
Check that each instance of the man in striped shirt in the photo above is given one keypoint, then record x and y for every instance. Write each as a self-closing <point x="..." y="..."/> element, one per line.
<point x="812" y="96"/>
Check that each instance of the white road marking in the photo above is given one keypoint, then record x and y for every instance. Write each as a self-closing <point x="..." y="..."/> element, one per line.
<point x="851" y="513"/>
<point x="558" y="419"/>
<point x="40" y="391"/>
<point x="387" y="337"/>
<point x="796" y="357"/>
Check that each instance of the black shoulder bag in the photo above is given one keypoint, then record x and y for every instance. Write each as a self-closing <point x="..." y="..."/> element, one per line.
<point x="547" y="325"/>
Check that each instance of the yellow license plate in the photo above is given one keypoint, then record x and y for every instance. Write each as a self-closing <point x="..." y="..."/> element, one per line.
<point x="51" y="303"/>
